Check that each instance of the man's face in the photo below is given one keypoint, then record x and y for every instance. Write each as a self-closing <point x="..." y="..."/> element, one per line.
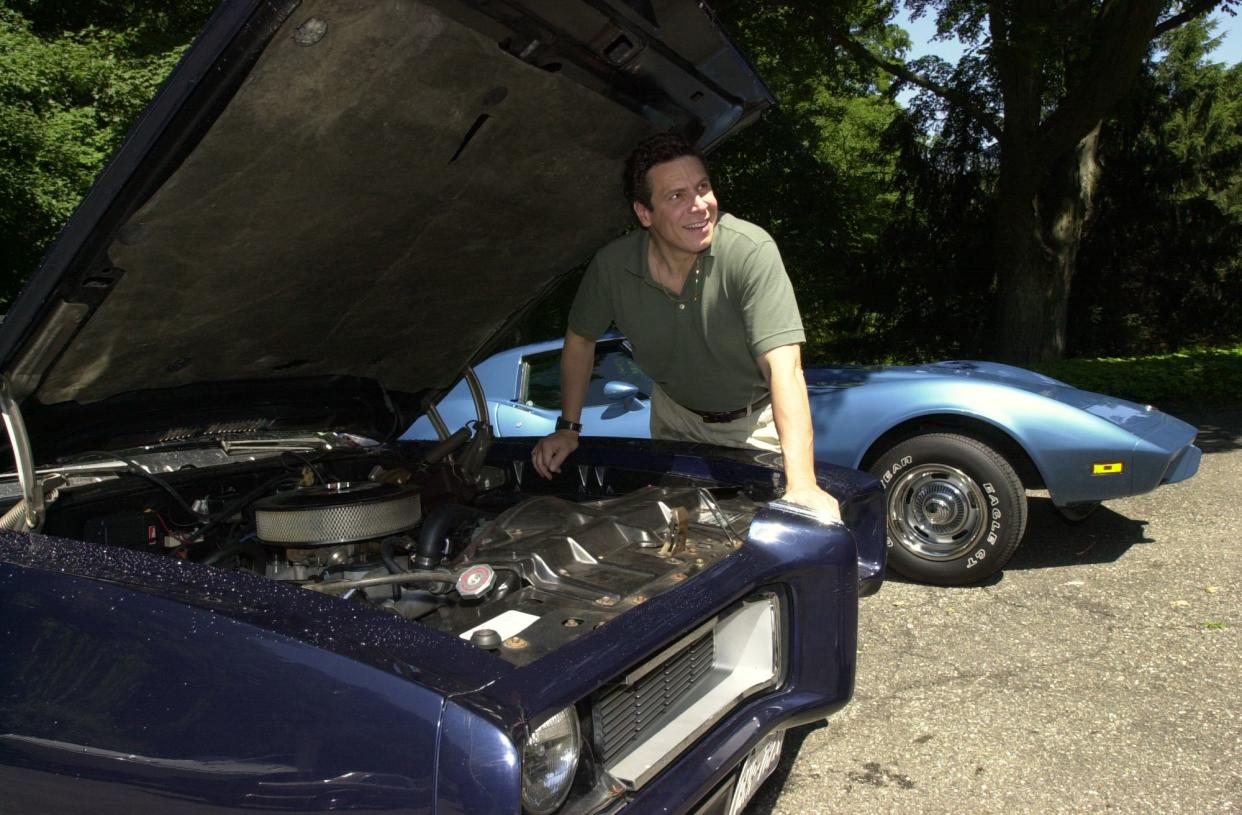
<point x="683" y="206"/>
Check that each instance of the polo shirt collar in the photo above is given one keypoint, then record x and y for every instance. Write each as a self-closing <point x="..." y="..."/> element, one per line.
<point x="637" y="264"/>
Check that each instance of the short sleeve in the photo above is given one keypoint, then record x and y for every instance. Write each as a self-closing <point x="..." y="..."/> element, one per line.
<point x="769" y="308"/>
<point x="592" y="312"/>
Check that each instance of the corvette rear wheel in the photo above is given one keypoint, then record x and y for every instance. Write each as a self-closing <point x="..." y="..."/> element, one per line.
<point x="956" y="509"/>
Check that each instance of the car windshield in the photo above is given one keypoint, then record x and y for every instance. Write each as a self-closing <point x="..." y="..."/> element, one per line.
<point x="613" y="363"/>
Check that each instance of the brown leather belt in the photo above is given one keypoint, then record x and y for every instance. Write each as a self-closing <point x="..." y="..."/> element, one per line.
<point x="729" y="415"/>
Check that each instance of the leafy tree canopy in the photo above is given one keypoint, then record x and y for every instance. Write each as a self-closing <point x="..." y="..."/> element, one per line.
<point x="1037" y="81"/>
<point x="1161" y="267"/>
<point x="73" y="77"/>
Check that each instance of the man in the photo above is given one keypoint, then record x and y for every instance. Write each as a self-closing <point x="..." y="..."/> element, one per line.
<point x="709" y="310"/>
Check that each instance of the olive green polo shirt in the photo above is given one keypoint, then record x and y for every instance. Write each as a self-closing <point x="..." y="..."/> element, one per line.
<point x="700" y="346"/>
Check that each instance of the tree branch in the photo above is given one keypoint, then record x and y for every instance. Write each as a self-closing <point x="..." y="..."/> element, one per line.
<point x="859" y="51"/>
<point x="1190" y="12"/>
<point x="1122" y="37"/>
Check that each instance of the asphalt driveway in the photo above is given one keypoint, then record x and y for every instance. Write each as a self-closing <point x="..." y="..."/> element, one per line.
<point x="1101" y="672"/>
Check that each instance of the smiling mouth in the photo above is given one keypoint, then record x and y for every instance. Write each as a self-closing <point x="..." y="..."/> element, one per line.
<point x="698" y="225"/>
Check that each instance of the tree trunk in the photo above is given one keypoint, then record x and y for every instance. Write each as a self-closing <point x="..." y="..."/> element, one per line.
<point x="1040" y="223"/>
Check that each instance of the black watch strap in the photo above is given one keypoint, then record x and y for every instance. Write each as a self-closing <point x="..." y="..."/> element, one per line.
<point x="564" y="424"/>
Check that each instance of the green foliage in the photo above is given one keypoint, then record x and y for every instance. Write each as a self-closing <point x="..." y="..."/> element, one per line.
<point x="73" y="78"/>
<point x="930" y="289"/>
<point x="1190" y="377"/>
<point x="814" y="171"/>
<point x="1039" y="78"/>
<point x="1162" y="267"/>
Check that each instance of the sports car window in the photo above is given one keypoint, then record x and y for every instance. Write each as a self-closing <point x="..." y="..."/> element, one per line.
<point x="612" y="364"/>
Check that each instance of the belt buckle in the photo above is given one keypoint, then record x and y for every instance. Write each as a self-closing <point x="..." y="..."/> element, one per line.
<point x="723" y="417"/>
<point x="730" y="415"/>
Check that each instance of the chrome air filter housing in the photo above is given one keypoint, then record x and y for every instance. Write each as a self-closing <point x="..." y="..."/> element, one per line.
<point x="341" y="512"/>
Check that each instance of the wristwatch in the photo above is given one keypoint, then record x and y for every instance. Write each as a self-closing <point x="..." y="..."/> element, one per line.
<point x="564" y="424"/>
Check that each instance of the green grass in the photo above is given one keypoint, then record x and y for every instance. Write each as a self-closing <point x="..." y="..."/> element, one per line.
<point x="1210" y="376"/>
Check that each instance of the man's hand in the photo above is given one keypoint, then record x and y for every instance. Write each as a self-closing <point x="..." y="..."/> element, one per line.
<point x="552" y="450"/>
<point x="577" y="359"/>
<point x="782" y="367"/>
<point x="812" y="497"/>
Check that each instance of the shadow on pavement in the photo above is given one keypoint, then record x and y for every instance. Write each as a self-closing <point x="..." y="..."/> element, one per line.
<point x="765" y="798"/>
<point x="1219" y="430"/>
<point x="1051" y="542"/>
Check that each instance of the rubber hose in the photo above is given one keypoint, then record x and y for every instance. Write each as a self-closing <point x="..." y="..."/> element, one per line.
<point x="390" y="561"/>
<point x="433" y="540"/>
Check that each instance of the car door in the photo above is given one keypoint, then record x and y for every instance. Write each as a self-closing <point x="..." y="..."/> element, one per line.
<point x="617" y="401"/>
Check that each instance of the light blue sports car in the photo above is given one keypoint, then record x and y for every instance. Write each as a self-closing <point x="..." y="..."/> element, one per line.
<point x="956" y="443"/>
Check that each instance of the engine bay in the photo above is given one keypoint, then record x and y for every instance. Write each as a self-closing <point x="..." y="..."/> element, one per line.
<point x="511" y="563"/>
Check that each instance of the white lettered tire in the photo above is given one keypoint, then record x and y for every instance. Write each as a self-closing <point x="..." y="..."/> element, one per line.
<point x="956" y="509"/>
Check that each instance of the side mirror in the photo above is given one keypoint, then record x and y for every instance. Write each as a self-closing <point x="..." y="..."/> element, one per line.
<point x="618" y="391"/>
<point x="623" y="394"/>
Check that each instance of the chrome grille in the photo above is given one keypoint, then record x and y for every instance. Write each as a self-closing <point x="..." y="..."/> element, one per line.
<point x="623" y="714"/>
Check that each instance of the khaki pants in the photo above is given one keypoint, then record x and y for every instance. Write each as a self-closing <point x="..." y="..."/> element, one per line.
<point x="670" y="421"/>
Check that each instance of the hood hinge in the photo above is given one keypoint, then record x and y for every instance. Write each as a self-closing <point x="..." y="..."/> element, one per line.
<point x="32" y="504"/>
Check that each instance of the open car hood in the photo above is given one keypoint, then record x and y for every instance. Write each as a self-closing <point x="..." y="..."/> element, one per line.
<point x="345" y="190"/>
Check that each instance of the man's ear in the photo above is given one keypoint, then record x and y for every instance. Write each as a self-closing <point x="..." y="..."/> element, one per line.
<point x="642" y="213"/>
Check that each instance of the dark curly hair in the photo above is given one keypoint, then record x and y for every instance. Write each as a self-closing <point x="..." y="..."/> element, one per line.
<point x="658" y="149"/>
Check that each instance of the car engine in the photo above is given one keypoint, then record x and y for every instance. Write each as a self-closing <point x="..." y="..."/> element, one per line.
<point x="519" y="567"/>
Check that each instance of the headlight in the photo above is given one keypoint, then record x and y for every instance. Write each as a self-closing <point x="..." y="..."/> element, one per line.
<point x="549" y="759"/>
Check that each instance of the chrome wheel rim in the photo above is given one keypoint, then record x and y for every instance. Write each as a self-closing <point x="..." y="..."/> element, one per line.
<point x="936" y="512"/>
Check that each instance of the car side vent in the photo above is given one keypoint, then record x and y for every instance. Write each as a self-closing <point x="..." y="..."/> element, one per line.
<point x="644" y="719"/>
<point x="624" y="714"/>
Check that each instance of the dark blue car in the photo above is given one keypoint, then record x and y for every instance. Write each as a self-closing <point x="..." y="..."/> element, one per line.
<point x="227" y="585"/>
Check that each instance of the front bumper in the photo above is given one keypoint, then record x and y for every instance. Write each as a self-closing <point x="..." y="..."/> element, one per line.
<point x="1165" y="454"/>
<point x="813" y="568"/>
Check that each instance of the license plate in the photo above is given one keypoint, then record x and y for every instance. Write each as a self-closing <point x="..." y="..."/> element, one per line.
<point x="756" y="769"/>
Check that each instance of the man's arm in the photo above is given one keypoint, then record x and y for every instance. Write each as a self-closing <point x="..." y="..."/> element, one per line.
<point x="782" y="368"/>
<point x="577" y="360"/>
